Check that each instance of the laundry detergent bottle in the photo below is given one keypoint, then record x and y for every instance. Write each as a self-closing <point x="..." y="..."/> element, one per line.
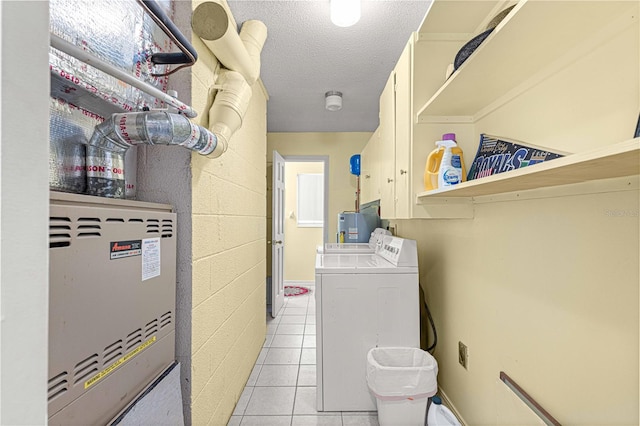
<point x="450" y="172"/>
<point x="434" y="159"/>
<point x="439" y="415"/>
<point x="432" y="167"/>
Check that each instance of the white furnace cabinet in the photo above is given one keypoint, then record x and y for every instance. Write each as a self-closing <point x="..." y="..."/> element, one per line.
<point x="112" y="279"/>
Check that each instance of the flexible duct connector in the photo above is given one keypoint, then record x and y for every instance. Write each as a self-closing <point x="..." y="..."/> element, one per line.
<point x="112" y="138"/>
<point x="237" y="52"/>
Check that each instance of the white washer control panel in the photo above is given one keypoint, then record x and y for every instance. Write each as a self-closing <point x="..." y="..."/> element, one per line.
<point x="399" y="251"/>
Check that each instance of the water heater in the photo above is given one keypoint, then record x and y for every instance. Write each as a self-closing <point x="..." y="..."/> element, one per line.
<point x="356" y="227"/>
<point x="112" y="279"/>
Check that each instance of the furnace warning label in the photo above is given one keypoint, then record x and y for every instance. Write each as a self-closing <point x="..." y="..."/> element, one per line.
<point x="95" y="379"/>
<point x="150" y="258"/>
<point x="120" y="249"/>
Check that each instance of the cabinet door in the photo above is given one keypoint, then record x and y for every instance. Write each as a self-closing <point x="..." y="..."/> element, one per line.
<point x="376" y="164"/>
<point x="403" y="135"/>
<point x="387" y="149"/>
<point x="369" y="186"/>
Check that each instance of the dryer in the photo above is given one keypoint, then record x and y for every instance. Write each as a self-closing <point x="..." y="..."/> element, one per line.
<point x="362" y="301"/>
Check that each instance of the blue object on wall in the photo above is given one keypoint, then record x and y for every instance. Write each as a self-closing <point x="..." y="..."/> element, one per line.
<point x="354" y="165"/>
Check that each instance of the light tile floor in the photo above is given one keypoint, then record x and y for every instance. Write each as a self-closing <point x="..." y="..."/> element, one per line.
<point x="282" y="387"/>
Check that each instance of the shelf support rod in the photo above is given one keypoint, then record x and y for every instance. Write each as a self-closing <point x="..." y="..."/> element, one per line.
<point x="83" y="56"/>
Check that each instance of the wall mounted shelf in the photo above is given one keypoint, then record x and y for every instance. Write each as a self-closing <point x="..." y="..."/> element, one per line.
<point x="496" y="67"/>
<point x="619" y="160"/>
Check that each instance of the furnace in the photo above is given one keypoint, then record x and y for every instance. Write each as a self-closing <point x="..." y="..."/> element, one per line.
<point x="112" y="293"/>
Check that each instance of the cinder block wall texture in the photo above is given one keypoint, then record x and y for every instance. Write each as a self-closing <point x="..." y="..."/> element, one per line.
<point x="229" y="256"/>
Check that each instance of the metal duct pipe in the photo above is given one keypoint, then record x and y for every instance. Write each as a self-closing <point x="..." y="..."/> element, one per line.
<point x="112" y="138"/>
<point x="241" y="53"/>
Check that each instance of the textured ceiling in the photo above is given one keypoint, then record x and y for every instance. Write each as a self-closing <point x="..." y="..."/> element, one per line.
<point x="305" y="55"/>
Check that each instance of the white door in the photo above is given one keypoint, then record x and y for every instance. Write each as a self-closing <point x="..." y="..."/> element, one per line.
<point x="277" y="237"/>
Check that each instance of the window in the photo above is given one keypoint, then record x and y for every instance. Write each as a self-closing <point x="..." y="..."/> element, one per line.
<point x="310" y="200"/>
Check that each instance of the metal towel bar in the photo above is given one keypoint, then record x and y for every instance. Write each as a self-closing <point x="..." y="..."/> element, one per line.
<point x="527" y="399"/>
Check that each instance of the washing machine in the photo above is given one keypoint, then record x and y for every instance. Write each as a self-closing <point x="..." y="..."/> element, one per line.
<point x="355" y="248"/>
<point x="362" y="301"/>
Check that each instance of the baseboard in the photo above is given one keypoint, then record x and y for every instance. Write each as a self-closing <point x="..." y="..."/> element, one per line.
<point x="447" y="402"/>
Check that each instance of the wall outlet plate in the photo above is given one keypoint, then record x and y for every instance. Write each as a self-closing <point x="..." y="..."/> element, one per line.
<point x="463" y="355"/>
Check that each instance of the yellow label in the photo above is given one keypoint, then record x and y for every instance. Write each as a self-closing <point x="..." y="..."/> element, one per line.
<point x="95" y="379"/>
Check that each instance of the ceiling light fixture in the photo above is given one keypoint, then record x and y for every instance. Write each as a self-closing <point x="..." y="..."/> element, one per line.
<point x="345" y="13"/>
<point x="333" y="100"/>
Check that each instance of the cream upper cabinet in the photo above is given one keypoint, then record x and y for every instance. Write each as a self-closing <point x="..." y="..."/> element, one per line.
<point x="574" y="87"/>
<point x="365" y="172"/>
<point x="403" y="123"/>
<point x="388" y="152"/>
<point x="387" y="149"/>
<point x="370" y="173"/>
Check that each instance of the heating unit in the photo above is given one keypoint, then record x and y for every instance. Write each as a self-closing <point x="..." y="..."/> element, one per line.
<point x="112" y="279"/>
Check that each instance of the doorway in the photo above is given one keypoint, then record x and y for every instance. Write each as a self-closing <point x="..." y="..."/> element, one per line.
<point x="302" y="217"/>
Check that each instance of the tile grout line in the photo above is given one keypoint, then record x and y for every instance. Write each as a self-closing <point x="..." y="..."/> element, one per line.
<point x="340" y="415"/>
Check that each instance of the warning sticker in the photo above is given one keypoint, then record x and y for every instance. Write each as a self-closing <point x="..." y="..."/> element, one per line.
<point x="353" y="233"/>
<point x="150" y="258"/>
<point x="120" y="249"/>
<point x="101" y="375"/>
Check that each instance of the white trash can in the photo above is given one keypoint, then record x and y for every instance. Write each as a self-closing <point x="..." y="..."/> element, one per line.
<point x="402" y="380"/>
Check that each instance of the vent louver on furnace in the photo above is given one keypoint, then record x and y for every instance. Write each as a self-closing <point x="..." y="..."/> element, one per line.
<point x="134" y="339"/>
<point x="57" y="386"/>
<point x="88" y="367"/>
<point x="151" y="328"/>
<point x="112" y="353"/>
<point x="153" y="226"/>
<point x="167" y="228"/>
<point x="165" y="320"/>
<point x="85" y="368"/>
<point x="89" y="227"/>
<point x="59" y="232"/>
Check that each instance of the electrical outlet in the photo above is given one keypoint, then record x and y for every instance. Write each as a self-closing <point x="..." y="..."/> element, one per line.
<point x="463" y="355"/>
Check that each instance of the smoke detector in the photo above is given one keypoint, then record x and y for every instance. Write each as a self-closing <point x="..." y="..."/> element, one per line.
<point x="333" y="100"/>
